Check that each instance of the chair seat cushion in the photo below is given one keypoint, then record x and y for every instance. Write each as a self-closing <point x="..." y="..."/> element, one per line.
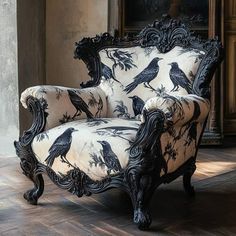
<point x="98" y="147"/>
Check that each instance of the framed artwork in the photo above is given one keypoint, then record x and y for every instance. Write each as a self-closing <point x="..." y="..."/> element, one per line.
<point x="138" y="13"/>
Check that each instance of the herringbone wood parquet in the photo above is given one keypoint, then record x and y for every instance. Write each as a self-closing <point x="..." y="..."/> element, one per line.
<point x="212" y="212"/>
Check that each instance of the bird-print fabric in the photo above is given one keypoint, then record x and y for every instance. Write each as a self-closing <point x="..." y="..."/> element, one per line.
<point x="92" y="129"/>
<point x="145" y="76"/>
<point x="179" y="79"/>
<point x="60" y="147"/>
<point x="68" y="104"/>
<point x="110" y="158"/>
<point x="185" y="116"/>
<point x="99" y="147"/>
<point x="145" y="73"/>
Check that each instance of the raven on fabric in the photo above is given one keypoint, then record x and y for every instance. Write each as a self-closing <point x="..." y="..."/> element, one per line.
<point x="110" y="158"/>
<point x="79" y="104"/>
<point x="146" y="76"/>
<point x="138" y="105"/>
<point x="178" y="78"/>
<point x="60" y="147"/>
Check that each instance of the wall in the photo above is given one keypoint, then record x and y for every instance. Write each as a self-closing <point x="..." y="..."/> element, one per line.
<point x="31" y="49"/>
<point x="9" y="120"/>
<point x="67" y="22"/>
<point x="229" y="103"/>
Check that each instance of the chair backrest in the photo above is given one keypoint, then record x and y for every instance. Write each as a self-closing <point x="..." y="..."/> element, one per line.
<point x="164" y="58"/>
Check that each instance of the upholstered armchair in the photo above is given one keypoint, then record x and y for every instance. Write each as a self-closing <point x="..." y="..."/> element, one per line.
<point x="136" y="124"/>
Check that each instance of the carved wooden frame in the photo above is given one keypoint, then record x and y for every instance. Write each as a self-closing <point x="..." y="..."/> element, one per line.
<point x="142" y="175"/>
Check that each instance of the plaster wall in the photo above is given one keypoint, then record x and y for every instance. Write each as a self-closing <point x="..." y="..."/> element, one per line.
<point x="9" y="114"/>
<point x="67" y="22"/>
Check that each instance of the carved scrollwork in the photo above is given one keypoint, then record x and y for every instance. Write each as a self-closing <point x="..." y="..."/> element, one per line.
<point x="78" y="183"/>
<point x="214" y="55"/>
<point x="28" y="163"/>
<point x="37" y="107"/>
<point x="145" y="164"/>
<point x="165" y="34"/>
<point x="145" y="152"/>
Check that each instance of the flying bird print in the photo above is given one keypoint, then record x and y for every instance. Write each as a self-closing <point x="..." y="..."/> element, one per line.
<point x="146" y="76"/>
<point x="60" y="147"/>
<point x="79" y="104"/>
<point x="110" y="158"/>
<point x="179" y="78"/>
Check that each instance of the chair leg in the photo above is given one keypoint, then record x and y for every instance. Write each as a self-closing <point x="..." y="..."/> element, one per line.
<point x="189" y="189"/>
<point x="28" y="164"/>
<point x="32" y="195"/>
<point x="141" y="193"/>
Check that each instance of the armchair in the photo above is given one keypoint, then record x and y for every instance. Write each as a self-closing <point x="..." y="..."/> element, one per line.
<point x="136" y="124"/>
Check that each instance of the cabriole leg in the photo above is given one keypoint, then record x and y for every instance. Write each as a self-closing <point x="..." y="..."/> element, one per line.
<point x="142" y="191"/>
<point x="35" y="193"/>
<point x="29" y="166"/>
<point x="189" y="189"/>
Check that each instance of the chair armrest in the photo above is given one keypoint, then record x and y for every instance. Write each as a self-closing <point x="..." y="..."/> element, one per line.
<point x="67" y="104"/>
<point x="180" y="110"/>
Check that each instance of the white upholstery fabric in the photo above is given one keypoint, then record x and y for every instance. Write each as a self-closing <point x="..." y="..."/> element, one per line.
<point x="59" y="106"/>
<point x="85" y="146"/>
<point x="180" y="110"/>
<point x="126" y="64"/>
<point x="133" y="79"/>
<point x="180" y="144"/>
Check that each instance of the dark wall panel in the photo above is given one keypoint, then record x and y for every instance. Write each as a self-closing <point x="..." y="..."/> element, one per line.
<point x="31" y="48"/>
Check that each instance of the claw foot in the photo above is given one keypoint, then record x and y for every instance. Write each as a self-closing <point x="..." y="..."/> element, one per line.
<point x="31" y="196"/>
<point x="142" y="219"/>
<point x="190" y="191"/>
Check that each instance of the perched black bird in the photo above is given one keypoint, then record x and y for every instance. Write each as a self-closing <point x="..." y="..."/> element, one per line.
<point x="107" y="73"/>
<point x="60" y="147"/>
<point x="192" y="125"/>
<point x="110" y="158"/>
<point x="138" y="105"/>
<point x="146" y="76"/>
<point x="79" y="104"/>
<point x="178" y="78"/>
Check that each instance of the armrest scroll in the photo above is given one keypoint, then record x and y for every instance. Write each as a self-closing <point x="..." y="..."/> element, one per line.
<point x="180" y="110"/>
<point x="68" y="104"/>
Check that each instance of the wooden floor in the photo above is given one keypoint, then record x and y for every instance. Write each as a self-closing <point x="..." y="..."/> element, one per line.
<point x="212" y="212"/>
